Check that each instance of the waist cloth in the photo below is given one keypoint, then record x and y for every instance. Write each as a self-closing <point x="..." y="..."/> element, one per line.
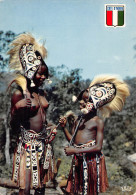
<point x="91" y="169"/>
<point x="34" y="154"/>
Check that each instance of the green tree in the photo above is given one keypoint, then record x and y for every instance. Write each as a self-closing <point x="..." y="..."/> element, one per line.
<point x="5" y="40"/>
<point x="66" y="83"/>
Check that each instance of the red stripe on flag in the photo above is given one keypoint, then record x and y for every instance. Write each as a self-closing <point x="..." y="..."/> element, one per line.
<point x="109" y="18"/>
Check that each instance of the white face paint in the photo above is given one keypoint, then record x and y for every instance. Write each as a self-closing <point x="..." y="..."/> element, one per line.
<point x="30" y="62"/>
<point x="98" y="96"/>
<point x="102" y="94"/>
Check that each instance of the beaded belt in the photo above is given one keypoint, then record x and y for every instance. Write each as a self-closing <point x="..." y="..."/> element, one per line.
<point x="85" y="171"/>
<point x="87" y="145"/>
<point x="28" y="135"/>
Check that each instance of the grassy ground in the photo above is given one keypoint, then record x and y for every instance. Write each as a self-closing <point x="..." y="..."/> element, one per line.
<point x="119" y="183"/>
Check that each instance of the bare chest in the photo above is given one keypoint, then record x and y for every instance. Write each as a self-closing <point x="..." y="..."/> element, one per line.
<point x="87" y="131"/>
<point x="38" y="102"/>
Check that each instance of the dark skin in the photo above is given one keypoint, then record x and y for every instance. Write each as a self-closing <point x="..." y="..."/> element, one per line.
<point x="90" y="128"/>
<point x="28" y="113"/>
<point x="32" y="118"/>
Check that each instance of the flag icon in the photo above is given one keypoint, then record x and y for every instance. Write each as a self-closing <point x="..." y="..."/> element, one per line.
<point x="115" y="15"/>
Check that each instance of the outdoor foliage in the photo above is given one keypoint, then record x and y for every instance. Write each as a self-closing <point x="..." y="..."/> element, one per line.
<point x="120" y="128"/>
<point x="5" y="40"/>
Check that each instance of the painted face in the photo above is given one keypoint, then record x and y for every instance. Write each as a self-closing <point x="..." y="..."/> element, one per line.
<point x="96" y="96"/>
<point x="40" y="75"/>
<point x="30" y="60"/>
<point x="85" y="105"/>
<point x="102" y="94"/>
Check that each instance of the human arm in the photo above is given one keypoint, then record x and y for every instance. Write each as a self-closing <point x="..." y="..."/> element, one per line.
<point x="92" y="149"/>
<point x="19" y="105"/>
<point x="51" y="131"/>
<point x="63" y="122"/>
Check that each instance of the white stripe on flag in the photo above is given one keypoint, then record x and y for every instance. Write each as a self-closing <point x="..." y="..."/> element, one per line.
<point x="115" y="18"/>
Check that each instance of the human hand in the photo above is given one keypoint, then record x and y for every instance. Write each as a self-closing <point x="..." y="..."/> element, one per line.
<point x="62" y="121"/>
<point x="70" y="150"/>
<point x="50" y="127"/>
<point x="22" y="104"/>
<point x="52" y="135"/>
<point x="26" y="102"/>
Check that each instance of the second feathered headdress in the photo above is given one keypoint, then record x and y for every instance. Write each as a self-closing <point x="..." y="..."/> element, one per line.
<point x="106" y="93"/>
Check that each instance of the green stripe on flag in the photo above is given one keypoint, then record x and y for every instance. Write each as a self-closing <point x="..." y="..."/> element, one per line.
<point x="120" y="18"/>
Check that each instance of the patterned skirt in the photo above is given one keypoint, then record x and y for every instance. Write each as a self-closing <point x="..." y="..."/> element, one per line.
<point x="88" y="174"/>
<point x="32" y="153"/>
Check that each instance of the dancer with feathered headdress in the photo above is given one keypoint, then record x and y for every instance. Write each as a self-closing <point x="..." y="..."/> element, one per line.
<point x="33" y="159"/>
<point x="105" y="94"/>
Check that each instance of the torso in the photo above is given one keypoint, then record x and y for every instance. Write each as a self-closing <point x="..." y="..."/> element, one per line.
<point x="37" y="112"/>
<point x="87" y="131"/>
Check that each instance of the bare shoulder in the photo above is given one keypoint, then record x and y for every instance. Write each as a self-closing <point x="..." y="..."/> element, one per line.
<point x="99" y="121"/>
<point x="17" y="96"/>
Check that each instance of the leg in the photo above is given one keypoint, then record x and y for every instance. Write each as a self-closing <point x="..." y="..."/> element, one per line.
<point x="26" y="191"/>
<point x="28" y="181"/>
<point x="21" y="192"/>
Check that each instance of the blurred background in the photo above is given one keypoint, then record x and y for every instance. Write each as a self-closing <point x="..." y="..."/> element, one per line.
<point x="79" y="46"/>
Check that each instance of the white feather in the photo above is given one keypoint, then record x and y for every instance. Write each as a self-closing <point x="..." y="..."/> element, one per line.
<point x="74" y="98"/>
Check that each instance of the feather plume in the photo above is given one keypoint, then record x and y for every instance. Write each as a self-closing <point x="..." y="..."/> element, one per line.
<point x="71" y="118"/>
<point x="14" y="60"/>
<point x="74" y="98"/>
<point x="70" y="113"/>
<point x="122" y="91"/>
<point x="21" y="81"/>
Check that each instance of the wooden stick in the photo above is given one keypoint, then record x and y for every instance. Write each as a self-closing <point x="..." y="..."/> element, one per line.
<point x="75" y="132"/>
<point x="8" y="183"/>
